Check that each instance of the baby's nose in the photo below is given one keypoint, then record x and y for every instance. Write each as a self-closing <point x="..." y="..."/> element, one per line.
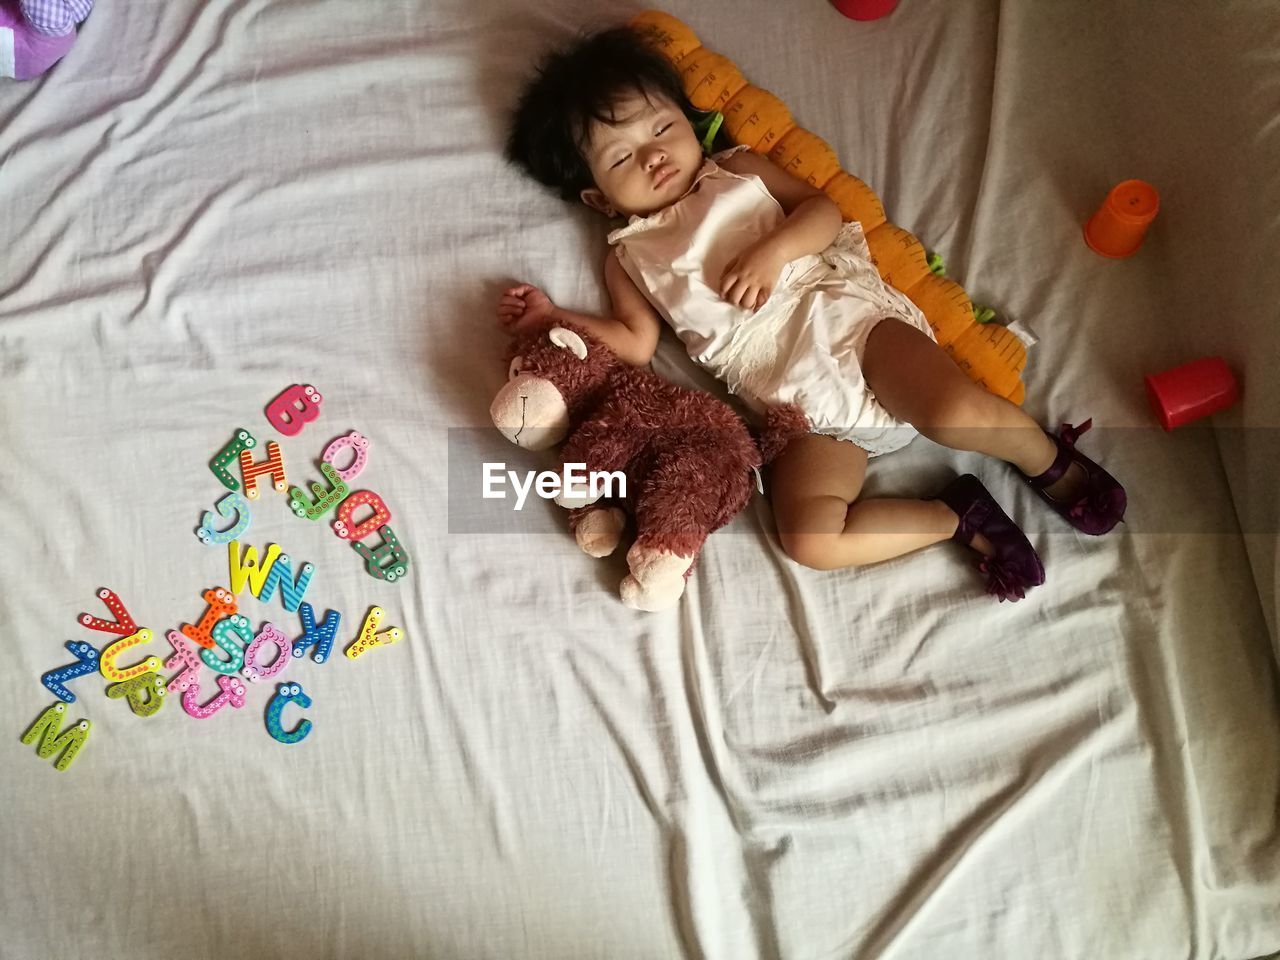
<point x="656" y="158"/>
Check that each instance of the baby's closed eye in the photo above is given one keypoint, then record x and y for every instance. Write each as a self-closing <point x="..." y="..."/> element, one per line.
<point x="621" y="160"/>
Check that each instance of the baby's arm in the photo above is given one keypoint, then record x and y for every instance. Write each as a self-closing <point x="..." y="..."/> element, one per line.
<point x="813" y="219"/>
<point x="631" y="332"/>
<point x="812" y="222"/>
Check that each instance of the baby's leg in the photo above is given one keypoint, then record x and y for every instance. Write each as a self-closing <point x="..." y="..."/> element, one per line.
<point x="915" y="380"/>
<point x="813" y="485"/>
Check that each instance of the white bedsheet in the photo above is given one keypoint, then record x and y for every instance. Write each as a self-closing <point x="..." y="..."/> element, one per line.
<point x="207" y="202"/>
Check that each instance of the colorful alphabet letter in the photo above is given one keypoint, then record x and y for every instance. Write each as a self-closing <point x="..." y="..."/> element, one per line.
<point x="287" y="693"/>
<point x="184" y="656"/>
<point x="221" y="604"/>
<point x="231" y="454"/>
<point x="86" y="662"/>
<point x="225" y="634"/>
<point x="248" y="568"/>
<point x="273" y="466"/>
<point x="269" y="633"/>
<point x="232" y="692"/>
<point x="145" y="693"/>
<point x="319" y="637"/>
<point x="358" y="444"/>
<point x="369" y="638"/>
<point x="231" y="504"/>
<point x="367" y="498"/>
<point x="387" y="562"/>
<point x="48" y="724"/>
<point x="107" y="660"/>
<point x="122" y="625"/>
<point x="326" y="500"/>
<point x="294" y="408"/>
<point x="291" y="591"/>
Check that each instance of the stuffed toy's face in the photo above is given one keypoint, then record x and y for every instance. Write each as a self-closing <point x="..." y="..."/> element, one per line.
<point x="550" y="373"/>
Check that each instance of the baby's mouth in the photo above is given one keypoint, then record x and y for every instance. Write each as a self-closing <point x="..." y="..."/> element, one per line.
<point x="664" y="175"/>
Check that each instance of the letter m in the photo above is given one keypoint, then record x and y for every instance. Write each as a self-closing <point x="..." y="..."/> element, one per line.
<point x="47" y="726"/>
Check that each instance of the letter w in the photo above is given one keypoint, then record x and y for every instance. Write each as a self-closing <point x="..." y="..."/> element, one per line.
<point x="248" y="568"/>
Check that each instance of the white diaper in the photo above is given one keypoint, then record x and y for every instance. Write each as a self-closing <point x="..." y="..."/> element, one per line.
<point x="807" y="347"/>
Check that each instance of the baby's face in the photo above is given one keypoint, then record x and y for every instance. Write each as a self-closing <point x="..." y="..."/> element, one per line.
<point x="644" y="162"/>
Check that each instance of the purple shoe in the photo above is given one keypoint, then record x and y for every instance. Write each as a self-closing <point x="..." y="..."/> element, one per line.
<point x="1100" y="505"/>
<point x="1016" y="565"/>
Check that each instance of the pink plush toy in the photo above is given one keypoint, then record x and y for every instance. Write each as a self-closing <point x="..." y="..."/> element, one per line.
<point x="687" y="457"/>
<point x="36" y="34"/>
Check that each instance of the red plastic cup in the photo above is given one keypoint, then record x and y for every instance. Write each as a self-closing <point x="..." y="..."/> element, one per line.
<point x="865" y="9"/>
<point x="1191" y="391"/>
<point x="1117" y="228"/>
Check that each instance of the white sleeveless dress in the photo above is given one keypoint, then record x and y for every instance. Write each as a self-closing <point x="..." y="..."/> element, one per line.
<point x="805" y="344"/>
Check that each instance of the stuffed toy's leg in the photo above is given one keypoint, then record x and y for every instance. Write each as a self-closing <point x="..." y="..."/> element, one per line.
<point x="598" y="529"/>
<point x="675" y="512"/>
<point x="663" y="576"/>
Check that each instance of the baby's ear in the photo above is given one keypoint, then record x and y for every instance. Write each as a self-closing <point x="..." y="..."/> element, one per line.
<point x="594" y="198"/>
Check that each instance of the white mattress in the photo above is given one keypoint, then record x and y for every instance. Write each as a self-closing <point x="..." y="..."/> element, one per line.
<point x="207" y="202"/>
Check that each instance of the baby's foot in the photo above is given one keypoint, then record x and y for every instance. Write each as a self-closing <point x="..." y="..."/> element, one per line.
<point x="972" y="537"/>
<point x="1010" y="563"/>
<point x="1070" y="486"/>
<point x="977" y="540"/>
<point x="1079" y="490"/>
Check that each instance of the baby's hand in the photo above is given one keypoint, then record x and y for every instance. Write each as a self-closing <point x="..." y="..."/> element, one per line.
<point x="749" y="277"/>
<point x="523" y="307"/>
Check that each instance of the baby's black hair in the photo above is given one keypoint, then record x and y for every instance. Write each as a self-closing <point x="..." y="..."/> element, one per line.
<point x="574" y="86"/>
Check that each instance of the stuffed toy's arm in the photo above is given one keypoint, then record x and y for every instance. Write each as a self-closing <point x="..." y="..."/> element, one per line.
<point x="602" y="444"/>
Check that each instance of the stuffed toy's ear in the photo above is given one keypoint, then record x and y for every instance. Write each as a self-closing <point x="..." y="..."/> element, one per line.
<point x="568" y="340"/>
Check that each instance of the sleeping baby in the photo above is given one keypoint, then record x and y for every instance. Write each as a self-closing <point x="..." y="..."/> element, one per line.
<point x="768" y="290"/>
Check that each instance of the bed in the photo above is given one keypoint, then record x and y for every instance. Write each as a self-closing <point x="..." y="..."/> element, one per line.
<point x="208" y="202"/>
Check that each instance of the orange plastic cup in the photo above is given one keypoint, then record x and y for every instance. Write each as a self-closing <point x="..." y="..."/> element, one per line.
<point x="1118" y="227"/>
